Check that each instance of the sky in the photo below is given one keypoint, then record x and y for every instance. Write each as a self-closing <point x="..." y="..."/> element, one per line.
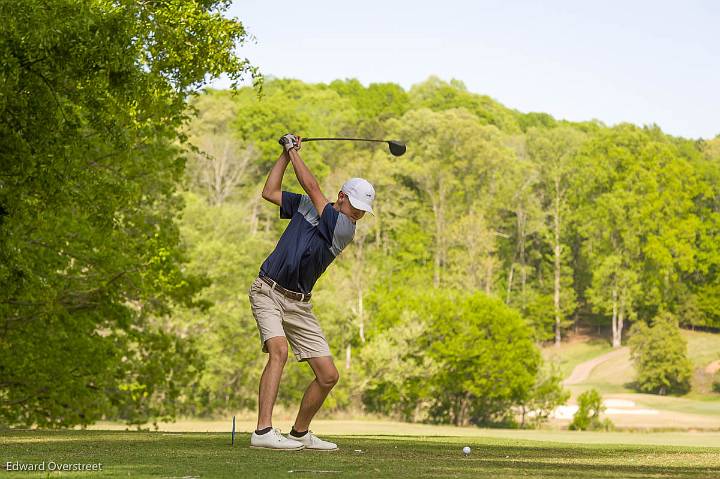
<point x="644" y="62"/>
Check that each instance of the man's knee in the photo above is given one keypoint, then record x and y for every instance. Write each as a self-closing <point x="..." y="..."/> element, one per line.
<point x="328" y="379"/>
<point x="277" y="349"/>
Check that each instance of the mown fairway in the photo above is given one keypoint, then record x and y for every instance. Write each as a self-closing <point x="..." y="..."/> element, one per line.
<point x="141" y="454"/>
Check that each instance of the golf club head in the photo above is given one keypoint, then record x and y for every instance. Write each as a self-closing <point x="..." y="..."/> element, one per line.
<point x="397" y="148"/>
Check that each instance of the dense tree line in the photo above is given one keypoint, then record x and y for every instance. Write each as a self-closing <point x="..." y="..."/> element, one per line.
<point x="564" y="223"/>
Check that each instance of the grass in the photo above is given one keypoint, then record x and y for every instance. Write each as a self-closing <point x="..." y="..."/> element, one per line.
<point x="143" y="454"/>
<point x="706" y="407"/>
<point x="568" y="355"/>
<point x="385" y="427"/>
<point x="699" y="409"/>
<point x="703" y="348"/>
<point x="615" y="375"/>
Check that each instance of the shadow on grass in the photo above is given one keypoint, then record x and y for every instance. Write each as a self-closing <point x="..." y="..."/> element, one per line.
<point x="672" y="393"/>
<point x="210" y="455"/>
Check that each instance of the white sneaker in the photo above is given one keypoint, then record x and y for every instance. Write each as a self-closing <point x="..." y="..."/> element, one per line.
<point x="274" y="440"/>
<point x="311" y="441"/>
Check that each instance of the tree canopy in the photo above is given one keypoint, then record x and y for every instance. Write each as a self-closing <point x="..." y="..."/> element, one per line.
<point x="91" y="101"/>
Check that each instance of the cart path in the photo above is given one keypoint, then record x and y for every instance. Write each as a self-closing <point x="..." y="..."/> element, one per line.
<point x="713" y="367"/>
<point x="583" y="370"/>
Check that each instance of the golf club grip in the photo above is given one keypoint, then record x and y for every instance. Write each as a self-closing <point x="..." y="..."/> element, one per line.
<point x="351" y="139"/>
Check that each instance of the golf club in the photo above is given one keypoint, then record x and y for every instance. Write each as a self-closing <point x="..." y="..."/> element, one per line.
<point x="396" y="148"/>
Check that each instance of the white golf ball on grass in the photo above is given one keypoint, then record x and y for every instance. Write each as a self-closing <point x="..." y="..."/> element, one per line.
<point x="466" y="450"/>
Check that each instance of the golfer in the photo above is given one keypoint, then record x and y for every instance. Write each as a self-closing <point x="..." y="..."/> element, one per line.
<point x="280" y="297"/>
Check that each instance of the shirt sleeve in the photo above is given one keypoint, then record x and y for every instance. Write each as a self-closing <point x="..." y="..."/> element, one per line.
<point x="289" y="204"/>
<point x="336" y="228"/>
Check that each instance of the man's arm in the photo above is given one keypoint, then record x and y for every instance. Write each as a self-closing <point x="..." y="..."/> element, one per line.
<point x="272" y="191"/>
<point x="308" y="181"/>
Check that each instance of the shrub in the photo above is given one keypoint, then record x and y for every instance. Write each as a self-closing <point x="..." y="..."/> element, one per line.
<point x="587" y="417"/>
<point x="660" y="356"/>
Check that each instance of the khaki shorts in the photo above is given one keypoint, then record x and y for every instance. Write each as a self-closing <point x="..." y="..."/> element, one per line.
<point x="277" y="315"/>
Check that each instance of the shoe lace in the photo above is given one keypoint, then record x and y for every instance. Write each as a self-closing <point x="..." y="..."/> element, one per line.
<point x="278" y="434"/>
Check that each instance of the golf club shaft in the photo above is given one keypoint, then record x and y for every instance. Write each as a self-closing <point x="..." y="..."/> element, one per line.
<point x="351" y="139"/>
<point x="396" y="148"/>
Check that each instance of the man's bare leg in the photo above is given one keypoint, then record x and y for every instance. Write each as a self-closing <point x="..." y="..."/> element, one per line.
<point x="326" y="376"/>
<point x="270" y="379"/>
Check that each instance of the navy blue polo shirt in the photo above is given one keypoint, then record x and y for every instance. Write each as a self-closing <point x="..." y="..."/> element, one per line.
<point x="309" y="243"/>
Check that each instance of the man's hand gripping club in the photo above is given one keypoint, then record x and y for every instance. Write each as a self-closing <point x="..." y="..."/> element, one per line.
<point x="273" y="186"/>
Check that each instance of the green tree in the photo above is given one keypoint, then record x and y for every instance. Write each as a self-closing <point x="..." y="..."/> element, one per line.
<point x="301" y="108"/>
<point x="487" y="357"/>
<point x="634" y="197"/>
<point x="660" y="356"/>
<point x="587" y="417"/>
<point x="222" y="247"/>
<point x="396" y="370"/>
<point x="524" y="221"/>
<point x="470" y="358"/>
<point x="447" y="146"/>
<point x="379" y="101"/>
<point x="91" y="100"/>
<point x="705" y="282"/>
<point x="473" y="251"/>
<point x="439" y="95"/>
<point x="553" y="152"/>
<point x="220" y="163"/>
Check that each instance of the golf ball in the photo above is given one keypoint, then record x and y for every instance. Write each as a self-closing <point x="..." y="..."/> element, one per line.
<point x="466" y="450"/>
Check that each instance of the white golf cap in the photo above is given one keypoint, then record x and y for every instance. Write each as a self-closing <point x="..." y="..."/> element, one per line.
<point x="360" y="193"/>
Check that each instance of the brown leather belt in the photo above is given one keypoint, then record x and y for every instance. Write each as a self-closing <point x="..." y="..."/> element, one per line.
<point x="286" y="292"/>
